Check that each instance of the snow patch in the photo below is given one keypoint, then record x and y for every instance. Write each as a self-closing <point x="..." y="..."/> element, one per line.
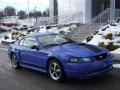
<point x="116" y="65"/>
<point x="105" y="30"/>
<point x="117" y="51"/>
<point x="96" y="39"/>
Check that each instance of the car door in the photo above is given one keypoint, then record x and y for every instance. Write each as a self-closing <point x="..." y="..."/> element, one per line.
<point x="31" y="57"/>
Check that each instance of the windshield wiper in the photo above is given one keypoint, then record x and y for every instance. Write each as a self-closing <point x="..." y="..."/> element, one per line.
<point x="66" y="43"/>
<point x="51" y="45"/>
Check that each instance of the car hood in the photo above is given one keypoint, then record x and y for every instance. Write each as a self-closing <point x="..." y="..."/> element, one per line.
<point x="78" y="50"/>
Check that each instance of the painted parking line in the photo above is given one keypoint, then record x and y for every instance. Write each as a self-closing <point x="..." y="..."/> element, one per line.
<point x="116" y="66"/>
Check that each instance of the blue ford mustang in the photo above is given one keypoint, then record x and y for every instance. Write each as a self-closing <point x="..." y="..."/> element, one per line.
<point x="59" y="56"/>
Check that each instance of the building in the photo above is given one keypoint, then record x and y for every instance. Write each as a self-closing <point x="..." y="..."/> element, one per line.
<point x="88" y="9"/>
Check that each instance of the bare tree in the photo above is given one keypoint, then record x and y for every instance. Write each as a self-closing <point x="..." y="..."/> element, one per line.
<point x="21" y="14"/>
<point x="10" y="11"/>
<point x="1" y="15"/>
<point x="46" y="13"/>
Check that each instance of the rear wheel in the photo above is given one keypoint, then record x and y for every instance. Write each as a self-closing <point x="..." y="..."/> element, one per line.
<point x="55" y="71"/>
<point x="15" y="62"/>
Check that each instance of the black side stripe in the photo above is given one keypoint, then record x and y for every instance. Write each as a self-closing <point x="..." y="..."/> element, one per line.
<point x="92" y="48"/>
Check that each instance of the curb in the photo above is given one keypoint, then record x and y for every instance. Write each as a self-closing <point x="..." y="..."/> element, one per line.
<point x="5" y="43"/>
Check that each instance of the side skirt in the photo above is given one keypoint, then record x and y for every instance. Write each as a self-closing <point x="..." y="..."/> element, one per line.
<point x="33" y="68"/>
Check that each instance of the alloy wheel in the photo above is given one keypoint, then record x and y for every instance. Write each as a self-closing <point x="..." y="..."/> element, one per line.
<point x="14" y="62"/>
<point x="55" y="71"/>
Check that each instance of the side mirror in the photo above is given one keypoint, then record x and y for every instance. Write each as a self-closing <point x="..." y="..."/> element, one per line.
<point x="35" y="47"/>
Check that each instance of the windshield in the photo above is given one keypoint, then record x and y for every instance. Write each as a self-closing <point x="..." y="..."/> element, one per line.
<point x="54" y="39"/>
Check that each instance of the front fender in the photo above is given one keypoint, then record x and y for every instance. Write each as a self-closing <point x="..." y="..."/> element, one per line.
<point x="63" y="59"/>
<point x="12" y="49"/>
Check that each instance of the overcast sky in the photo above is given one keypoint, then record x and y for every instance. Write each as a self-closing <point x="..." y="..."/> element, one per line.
<point x="22" y="4"/>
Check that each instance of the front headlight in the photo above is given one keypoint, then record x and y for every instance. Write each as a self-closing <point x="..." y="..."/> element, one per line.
<point x="80" y="60"/>
<point x="74" y="60"/>
<point x="87" y="59"/>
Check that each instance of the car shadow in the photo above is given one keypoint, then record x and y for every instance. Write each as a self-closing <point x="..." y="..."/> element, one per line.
<point x="91" y="81"/>
<point x="68" y="81"/>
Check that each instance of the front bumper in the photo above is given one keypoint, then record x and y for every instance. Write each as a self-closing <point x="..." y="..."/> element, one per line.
<point x="84" y="70"/>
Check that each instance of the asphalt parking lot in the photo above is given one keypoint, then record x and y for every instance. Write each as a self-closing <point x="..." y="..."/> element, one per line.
<point x="26" y="79"/>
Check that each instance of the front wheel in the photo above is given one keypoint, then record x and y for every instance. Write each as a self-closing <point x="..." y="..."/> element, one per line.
<point x="55" y="71"/>
<point x="15" y="62"/>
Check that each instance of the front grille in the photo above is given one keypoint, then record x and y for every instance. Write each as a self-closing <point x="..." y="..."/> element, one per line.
<point x="101" y="57"/>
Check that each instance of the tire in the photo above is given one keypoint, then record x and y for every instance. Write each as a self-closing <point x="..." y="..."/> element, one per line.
<point x="15" y="62"/>
<point x="55" y="71"/>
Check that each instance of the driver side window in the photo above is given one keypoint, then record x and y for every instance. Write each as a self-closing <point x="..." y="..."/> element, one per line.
<point x="29" y="42"/>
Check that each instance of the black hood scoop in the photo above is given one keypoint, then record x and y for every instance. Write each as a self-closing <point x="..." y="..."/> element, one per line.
<point x="92" y="48"/>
